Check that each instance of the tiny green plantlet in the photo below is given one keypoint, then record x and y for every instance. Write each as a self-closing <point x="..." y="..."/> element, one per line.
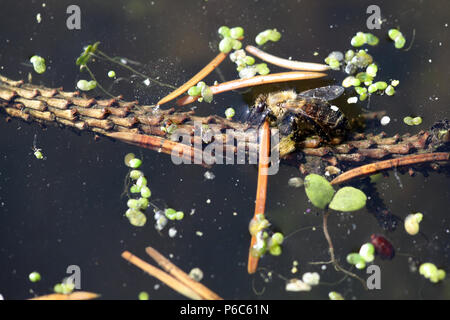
<point x="321" y="194"/>
<point x="34" y="276"/>
<point x="38" y="64"/>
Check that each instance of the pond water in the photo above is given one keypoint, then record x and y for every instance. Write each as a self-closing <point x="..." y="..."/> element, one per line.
<point x="68" y="209"/>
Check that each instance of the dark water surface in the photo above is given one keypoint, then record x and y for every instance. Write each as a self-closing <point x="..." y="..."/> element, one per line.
<point x="68" y="210"/>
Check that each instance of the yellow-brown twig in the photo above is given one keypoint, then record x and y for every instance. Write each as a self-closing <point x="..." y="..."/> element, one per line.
<point x="373" y="168"/>
<point x="195" y="79"/>
<point x="77" y="295"/>
<point x="261" y="190"/>
<point x="189" y="289"/>
<point x="181" y="275"/>
<point x="255" y="81"/>
<point x="286" y="63"/>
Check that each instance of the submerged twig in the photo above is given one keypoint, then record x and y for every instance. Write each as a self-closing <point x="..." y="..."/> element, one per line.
<point x="255" y="81"/>
<point x="77" y="295"/>
<point x="261" y="190"/>
<point x="286" y="63"/>
<point x="331" y="251"/>
<point x="373" y="168"/>
<point x="195" y="79"/>
<point x="181" y="275"/>
<point x="177" y="280"/>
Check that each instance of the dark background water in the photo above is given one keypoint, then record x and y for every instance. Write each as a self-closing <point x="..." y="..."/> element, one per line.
<point x="68" y="210"/>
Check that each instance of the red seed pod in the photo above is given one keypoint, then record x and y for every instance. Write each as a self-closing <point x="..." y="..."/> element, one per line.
<point x="382" y="246"/>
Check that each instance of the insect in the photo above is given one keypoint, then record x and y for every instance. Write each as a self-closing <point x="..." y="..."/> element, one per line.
<point x="298" y="115"/>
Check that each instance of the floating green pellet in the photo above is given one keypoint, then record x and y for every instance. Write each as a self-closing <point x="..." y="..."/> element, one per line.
<point x="141" y="181"/>
<point x="372" y="70"/>
<point x="358" y="40"/>
<point x="236" y="32"/>
<point x="145" y="192"/>
<point x="408" y="120"/>
<point x="416" y="121"/>
<point x="133" y="204"/>
<point x="143" y="295"/>
<point x="38" y="64"/>
<point x="85" y="85"/>
<point x="367" y="252"/>
<point x="275" y="250"/>
<point x="111" y="73"/>
<point x="363" y="96"/>
<point x="194" y="91"/>
<point x="372" y="88"/>
<point x="258" y="224"/>
<point x="351" y="81"/>
<point x="363" y="77"/>
<point x="262" y="69"/>
<point x="207" y="94"/>
<point x="34" y="276"/>
<point x="179" y="215"/>
<point x="170" y="213"/>
<point x="333" y="295"/>
<point x="371" y="39"/>
<point x="381" y="85"/>
<point x="277" y="238"/>
<point x="136" y="217"/>
<point x="270" y="34"/>
<point x="394" y="33"/>
<point x="249" y="60"/>
<point x="395" y="83"/>
<point x="143" y="203"/>
<point x="349" y="55"/>
<point x="58" y="288"/>
<point x="390" y="90"/>
<point x="400" y="42"/>
<point x="128" y="157"/>
<point x="237" y="45"/>
<point x="135" y="189"/>
<point x="135" y="163"/>
<point x="274" y="35"/>
<point x="360" y="90"/>
<point x="224" y="31"/>
<point x="229" y="113"/>
<point x="38" y="154"/>
<point x="411" y="223"/>
<point x="226" y="45"/>
<point x="136" y="174"/>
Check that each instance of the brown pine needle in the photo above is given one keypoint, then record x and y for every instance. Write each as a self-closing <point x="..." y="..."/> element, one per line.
<point x="261" y="189"/>
<point x="162" y="276"/>
<point x="77" y="295"/>
<point x="156" y="143"/>
<point x="373" y="168"/>
<point x="255" y="81"/>
<point x="286" y="63"/>
<point x="195" y="79"/>
<point x="182" y="276"/>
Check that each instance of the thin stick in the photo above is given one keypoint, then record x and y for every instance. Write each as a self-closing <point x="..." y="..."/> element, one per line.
<point x="331" y="251"/>
<point x="255" y="81"/>
<point x="261" y="190"/>
<point x="180" y="275"/>
<point x="77" y="295"/>
<point x="162" y="276"/>
<point x="286" y="63"/>
<point x="373" y="168"/>
<point x="195" y="79"/>
<point x="156" y="143"/>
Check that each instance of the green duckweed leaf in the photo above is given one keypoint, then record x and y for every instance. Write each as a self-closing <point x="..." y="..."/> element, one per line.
<point x="348" y="199"/>
<point x="319" y="190"/>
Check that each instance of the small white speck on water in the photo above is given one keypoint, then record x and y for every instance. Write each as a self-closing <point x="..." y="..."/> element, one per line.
<point x="156" y="287"/>
<point x="208" y="201"/>
<point x="147" y="82"/>
<point x="334" y="108"/>
<point x="172" y="232"/>
<point x="352" y="100"/>
<point x="199" y="233"/>
<point x="385" y="120"/>
<point x="324" y="267"/>
<point x="209" y="175"/>
<point x="430" y="61"/>
<point x="235" y="213"/>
